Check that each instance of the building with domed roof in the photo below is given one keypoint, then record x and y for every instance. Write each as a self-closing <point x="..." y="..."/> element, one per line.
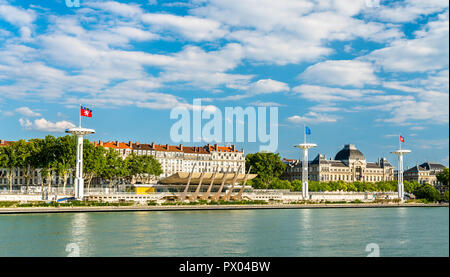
<point x="348" y="165"/>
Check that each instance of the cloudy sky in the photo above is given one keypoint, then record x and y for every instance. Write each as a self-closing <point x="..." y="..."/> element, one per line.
<point x="355" y="71"/>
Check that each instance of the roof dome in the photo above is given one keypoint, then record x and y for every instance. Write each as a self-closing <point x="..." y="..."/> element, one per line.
<point x="349" y="152"/>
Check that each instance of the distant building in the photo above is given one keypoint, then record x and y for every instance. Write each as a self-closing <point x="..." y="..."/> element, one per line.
<point x="424" y="173"/>
<point x="179" y="158"/>
<point x="349" y="165"/>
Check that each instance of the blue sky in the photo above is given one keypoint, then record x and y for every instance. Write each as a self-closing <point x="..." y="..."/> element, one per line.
<point x="358" y="72"/>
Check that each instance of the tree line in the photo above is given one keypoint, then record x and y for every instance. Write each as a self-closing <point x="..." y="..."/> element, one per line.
<point x="57" y="156"/>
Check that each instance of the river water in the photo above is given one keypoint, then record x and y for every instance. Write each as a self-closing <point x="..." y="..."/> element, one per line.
<point x="286" y="232"/>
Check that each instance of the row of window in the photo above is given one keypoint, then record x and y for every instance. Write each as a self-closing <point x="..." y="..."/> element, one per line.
<point x="339" y="178"/>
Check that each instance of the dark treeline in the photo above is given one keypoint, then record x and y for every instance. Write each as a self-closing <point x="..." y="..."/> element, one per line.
<point x="57" y="156"/>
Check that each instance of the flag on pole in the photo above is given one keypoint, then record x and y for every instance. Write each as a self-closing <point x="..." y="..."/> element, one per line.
<point x="307" y="130"/>
<point x="402" y="139"/>
<point x="85" y="112"/>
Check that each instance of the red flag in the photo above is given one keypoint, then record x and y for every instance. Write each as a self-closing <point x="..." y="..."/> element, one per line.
<point x="85" y="112"/>
<point x="402" y="139"/>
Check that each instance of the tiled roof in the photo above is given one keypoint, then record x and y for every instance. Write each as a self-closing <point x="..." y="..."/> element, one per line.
<point x="4" y="142"/>
<point x="337" y="163"/>
<point x="426" y="166"/>
<point x="432" y="166"/>
<point x="113" y="144"/>
<point x="372" y="165"/>
<point x="207" y="149"/>
<point x="415" y="168"/>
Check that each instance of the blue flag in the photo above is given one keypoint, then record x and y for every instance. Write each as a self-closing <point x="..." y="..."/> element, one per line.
<point x="307" y="130"/>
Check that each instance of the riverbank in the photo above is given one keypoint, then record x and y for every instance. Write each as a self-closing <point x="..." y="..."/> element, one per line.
<point x="27" y="210"/>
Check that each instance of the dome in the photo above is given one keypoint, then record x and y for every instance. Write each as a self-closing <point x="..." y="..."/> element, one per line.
<point x="349" y="152"/>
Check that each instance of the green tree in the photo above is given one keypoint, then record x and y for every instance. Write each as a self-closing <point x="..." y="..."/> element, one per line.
<point x="428" y="192"/>
<point x="142" y="168"/>
<point x="47" y="160"/>
<point x="410" y="187"/>
<point x="297" y="185"/>
<point x="20" y="149"/>
<point x="268" y="166"/>
<point x="65" y="153"/>
<point x="9" y="160"/>
<point x="442" y="177"/>
<point x="114" y="168"/>
<point x="36" y="158"/>
<point x="31" y="160"/>
<point x="94" y="161"/>
<point x="280" y="184"/>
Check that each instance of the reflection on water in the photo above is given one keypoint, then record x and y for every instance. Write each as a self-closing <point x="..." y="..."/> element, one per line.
<point x="304" y="230"/>
<point x="296" y="232"/>
<point x="79" y="234"/>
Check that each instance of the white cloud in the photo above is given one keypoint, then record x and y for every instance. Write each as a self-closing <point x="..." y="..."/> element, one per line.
<point x="25" y="111"/>
<point x="278" y="48"/>
<point x="405" y="11"/>
<point x="292" y="31"/>
<point x="191" y="27"/>
<point x="340" y="73"/>
<point x="311" y="118"/>
<point x="427" y="51"/>
<point x="326" y="108"/>
<point x="126" y="10"/>
<point x="44" y="125"/>
<point x="265" y="86"/>
<point x="327" y="94"/>
<point x="134" y="33"/>
<point x="417" y="128"/>
<point x="260" y="14"/>
<point x="431" y="108"/>
<point x="16" y="16"/>
<point x="265" y="104"/>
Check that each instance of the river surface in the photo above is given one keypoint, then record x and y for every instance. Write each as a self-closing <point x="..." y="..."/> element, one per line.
<point x="355" y="232"/>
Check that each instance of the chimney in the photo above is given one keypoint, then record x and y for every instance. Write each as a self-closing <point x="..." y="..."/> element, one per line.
<point x="167" y="147"/>
<point x="233" y="148"/>
<point x="100" y="142"/>
<point x="215" y="146"/>
<point x="117" y="143"/>
<point x="153" y="145"/>
<point x="95" y="144"/>
<point x="130" y="143"/>
<point x="181" y="147"/>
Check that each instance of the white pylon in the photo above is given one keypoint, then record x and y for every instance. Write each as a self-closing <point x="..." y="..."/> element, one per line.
<point x="401" y="189"/>
<point x="305" y="147"/>
<point x="79" y="181"/>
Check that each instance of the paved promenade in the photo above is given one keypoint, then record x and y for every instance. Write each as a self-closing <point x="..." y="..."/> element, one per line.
<point x="203" y="207"/>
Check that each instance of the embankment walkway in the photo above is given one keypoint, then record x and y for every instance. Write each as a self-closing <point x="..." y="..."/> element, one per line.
<point x="28" y="210"/>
